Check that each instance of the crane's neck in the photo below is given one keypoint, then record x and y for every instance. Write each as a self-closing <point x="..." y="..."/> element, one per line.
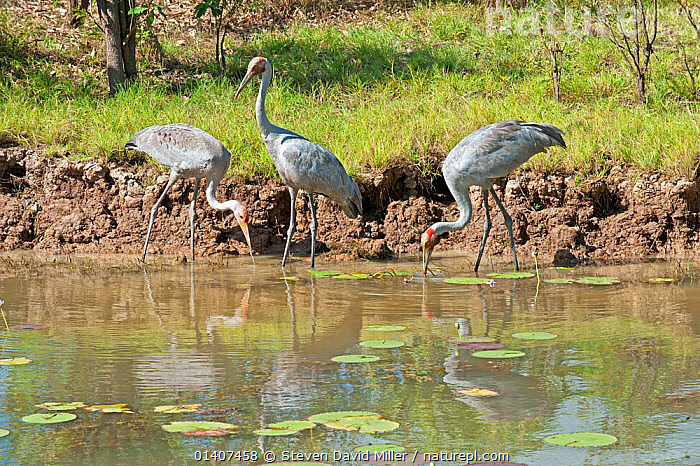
<point x="212" y="184"/>
<point x="465" y="215"/>
<point x="263" y="123"/>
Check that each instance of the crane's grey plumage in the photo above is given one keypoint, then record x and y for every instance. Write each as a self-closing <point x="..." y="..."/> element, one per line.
<point x="190" y="153"/>
<point x="301" y="164"/>
<point x="480" y="159"/>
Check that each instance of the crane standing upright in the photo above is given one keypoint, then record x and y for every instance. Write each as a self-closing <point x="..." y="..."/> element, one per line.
<point x="480" y="159"/>
<point x="190" y="152"/>
<point x="300" y="163"/>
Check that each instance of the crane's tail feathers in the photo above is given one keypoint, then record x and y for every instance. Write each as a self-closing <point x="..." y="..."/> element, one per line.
<point x="131" y="145"/>
<point x="352" y="206"/>
<point x="554" y="133"/>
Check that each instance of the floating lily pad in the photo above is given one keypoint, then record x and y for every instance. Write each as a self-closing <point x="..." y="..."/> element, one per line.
<point x="468" y="280"/>
<point x="115" y="408"/>
<point x="384" y="328"/>
<point x="581" y="439"/>
<point x="285" y="428"/>
<point x="380" y="448"/>
<point x="470" y="338"/>
<point x="274" y="432"/>
<point x="296" y="425"/>
<point x="335" y="415"/>
<point x="353" y="276"/>
<point x="559" y="281"/>
<point x="482" y="345"/>
<point x="480" y="392"/>
<point x="355" y="358"/>
<point x="598" y="280"/>
<point x="175" y="409"/>
<point x="511" y="275"/>
<point x="208" y="428"/>
<point x="560" y="268"/>
<point x="27" y="327"/>
<point x="498" y="354"/>
<point x="324" y="273"/>
<point x="15" y="361"/>
<point x="54" y="406"/>
<point x="49" y="418"/>
<point x="289" y="279"/>
<point x="385" y="344"/>
<point x="660" y="280"/>
<point x="244" y="285"/>
<point x="534" y="335"/>
<point x="363" y="424"/>
<point x="403" y="459"/>
<point x="4" y="433"/>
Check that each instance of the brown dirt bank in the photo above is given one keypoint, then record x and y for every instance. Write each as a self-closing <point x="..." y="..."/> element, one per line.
<point x="62" y="206"/>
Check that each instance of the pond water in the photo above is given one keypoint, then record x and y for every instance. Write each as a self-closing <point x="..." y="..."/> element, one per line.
<point x="233" y="337"/>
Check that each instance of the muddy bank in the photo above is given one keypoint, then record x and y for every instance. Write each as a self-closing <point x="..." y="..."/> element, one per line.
<point x="61" y="206"/>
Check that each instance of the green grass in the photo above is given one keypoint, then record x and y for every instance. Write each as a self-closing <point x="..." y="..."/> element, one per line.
<point x="377" y="95"/>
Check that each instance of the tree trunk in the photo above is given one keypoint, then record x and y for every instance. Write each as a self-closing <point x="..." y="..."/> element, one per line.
<point x="120" y="41"/>
<point x="641" y="88"/>
<point x="71" y="20"/>
<point x="127" y="24"/>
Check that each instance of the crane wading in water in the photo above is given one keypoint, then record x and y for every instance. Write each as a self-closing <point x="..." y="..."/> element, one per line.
<point x="190" y="153"/>
<point x="480" y="159"/>
<point x="300" y="163"/>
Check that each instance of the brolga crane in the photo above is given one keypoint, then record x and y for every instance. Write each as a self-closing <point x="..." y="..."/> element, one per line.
<point x="480" y="159"/>
<point x="190" y="152"/>
<point x="300" y="163"/>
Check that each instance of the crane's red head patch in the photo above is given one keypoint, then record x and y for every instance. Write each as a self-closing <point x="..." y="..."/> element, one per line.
<point x="257" y="65"/>
<point x="429" y="239"/>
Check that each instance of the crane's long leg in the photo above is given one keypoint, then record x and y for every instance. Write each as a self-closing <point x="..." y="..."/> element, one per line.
<point x="314" y="224"/>
<point x="292" y="222"/>
<point x="173" y="178"/>
<point x="509" y="225"/>
<point x="193" y="216"/>
<point x="487" y="228"/>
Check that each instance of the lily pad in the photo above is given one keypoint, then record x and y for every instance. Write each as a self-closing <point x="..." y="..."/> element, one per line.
<point x="324" y="273"/>
<point x="274" y="432"/>
<point x="54" y="406"/>
<point x="363" y="424"/>
<point x="385" y="344"/>
<point x="27" y="327"/>
<point x="559" y="267"/>
<point x="384" y="328"/>
<point x="355" y="358"/>
<point x="470" y="338"/>
<point x="285" y="428"/>
<point x="485" y="345"/>
<point x="49" y="418"/>
<point x="205" y="427"/>
<point x="175" y="409"/>
<point x="511" y="275"/>
<point x="115" y="408"/>
<point x="480" y="392"/>
<point x="581" y="439"/>
<point x="353" y="276"/>
<point x="380" y="448"/>
<point x="534" y="335"/>
<point x="559" y="281"/>
<point x="660" y="280"/>
<point x="498" y="354"/>
<point x="468" y="281"/>
<point x="598" y="280"/>
<point x="289" y="279"/>
<point x="335" y="415"/>
<point x="4" y="433"/>
<point x="15" y="361"/>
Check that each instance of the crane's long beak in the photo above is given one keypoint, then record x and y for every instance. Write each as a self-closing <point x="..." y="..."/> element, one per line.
<point x="426" y="258"/>
<point x="244" y="227"/>
<point x="247" y="78"/>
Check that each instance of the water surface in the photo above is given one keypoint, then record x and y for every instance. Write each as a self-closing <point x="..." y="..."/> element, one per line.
<point x="231" y="335"/>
